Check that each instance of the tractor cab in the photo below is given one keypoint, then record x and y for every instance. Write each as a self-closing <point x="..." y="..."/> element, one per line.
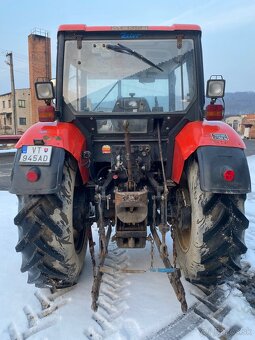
<point x="113" y="81"/>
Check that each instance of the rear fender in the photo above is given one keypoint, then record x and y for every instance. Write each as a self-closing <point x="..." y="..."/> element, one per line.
<point x="206" y="134"/>
<point x="214" y="161"/>
<point x="50" y="178"/>
<point x="63" y="137"/>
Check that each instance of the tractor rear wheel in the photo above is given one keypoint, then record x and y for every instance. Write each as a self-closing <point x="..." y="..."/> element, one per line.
<point x="53" y="234"/>
<point x="209" y="230"/>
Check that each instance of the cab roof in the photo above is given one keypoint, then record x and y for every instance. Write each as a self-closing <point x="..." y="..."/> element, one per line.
<point x="85" y="28"/>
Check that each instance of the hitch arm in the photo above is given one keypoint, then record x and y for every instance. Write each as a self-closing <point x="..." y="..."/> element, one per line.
<point x="98" y="278"/>
<point x="173" y="277"/>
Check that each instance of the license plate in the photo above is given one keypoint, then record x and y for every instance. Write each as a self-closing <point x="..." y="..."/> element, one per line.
<point x="35" y="154"/>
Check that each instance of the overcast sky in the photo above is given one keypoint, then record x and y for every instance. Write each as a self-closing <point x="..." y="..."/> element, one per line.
<point x="228" y="28"/>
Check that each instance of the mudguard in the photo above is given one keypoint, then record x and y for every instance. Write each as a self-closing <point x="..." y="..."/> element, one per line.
<point x="50" y="176"/>
<point x="63" y="137"/>
<point x="218" y="147"/>
<point x="214" y="161"/>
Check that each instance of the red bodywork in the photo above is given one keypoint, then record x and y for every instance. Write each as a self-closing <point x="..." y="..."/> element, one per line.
<point x="192" y="136"/>
<point x="196" y="134"/>
<point x="81" y="27"/>
<point x="61" y="135"/>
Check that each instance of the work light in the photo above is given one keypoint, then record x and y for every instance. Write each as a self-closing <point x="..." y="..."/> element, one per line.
<point x="44" y="90"/>
<point x="215" y="88"/>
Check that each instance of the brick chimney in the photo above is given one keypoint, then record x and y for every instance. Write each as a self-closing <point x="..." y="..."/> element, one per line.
<point x="39" y="51"/>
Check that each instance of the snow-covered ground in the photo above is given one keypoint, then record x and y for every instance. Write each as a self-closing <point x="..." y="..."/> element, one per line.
<point x="132" y="306"/>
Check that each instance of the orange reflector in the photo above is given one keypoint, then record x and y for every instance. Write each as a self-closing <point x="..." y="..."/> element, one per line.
<point x="46" y="113"/>
<point x="214" y="112"/>
<point x="106" y="149"/>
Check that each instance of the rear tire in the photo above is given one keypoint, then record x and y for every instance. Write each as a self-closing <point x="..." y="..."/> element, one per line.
<point x="209" y="233"/>
<point x="53" y="234"/>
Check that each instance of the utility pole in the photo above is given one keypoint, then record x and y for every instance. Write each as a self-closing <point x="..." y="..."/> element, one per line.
<point x="10" y="63"/>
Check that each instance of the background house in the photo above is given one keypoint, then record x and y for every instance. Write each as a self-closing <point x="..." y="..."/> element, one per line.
<point x="23" y="112"/>
<point x="248" y="124"/>
<point x="235" y="122"/>
<point x="243" y="124"/>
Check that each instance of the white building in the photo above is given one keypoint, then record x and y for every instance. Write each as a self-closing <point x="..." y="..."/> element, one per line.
<point x="235" y="122"/>
<point x="23" y="112"/>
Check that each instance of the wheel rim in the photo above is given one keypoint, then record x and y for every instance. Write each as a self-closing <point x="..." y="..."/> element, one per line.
<point x="183" y="218"/>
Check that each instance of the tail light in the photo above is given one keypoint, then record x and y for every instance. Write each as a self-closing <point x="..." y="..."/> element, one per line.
<point x="46" y="113"/>
<point x="229" y="175"/>
<point x="214" y="112"/>
<point x="33" y="174"/>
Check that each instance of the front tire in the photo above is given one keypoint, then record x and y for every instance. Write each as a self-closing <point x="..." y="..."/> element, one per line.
<point x="209" y="230"/>
<point x="53" y="234"/>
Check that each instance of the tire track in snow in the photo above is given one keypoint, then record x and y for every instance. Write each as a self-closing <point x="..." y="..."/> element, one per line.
<point x="206" y="316"/>
<point x="111" y="302"/>
<point x="38" y="321"/>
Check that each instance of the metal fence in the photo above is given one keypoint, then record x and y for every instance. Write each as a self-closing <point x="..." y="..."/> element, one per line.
<point x="9" y="139"/>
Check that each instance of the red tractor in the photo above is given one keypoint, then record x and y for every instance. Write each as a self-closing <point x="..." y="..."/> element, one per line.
<point x="128" y="145"/>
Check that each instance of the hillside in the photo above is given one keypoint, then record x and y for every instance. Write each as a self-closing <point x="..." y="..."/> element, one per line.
<point x="240" y="103"/>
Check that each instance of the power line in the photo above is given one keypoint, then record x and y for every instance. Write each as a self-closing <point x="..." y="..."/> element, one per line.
<point x="18" y="56"/>
<point x="23" y="72"/>
<point x="5" y="68"/>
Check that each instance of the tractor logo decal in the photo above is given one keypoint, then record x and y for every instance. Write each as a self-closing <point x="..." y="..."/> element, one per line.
<point x="126" y="35"/>
<point x="220" y="136"/>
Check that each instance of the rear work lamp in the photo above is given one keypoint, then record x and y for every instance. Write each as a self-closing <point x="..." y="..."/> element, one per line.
<point x="44" y="90"/>
<point x="215" y="87"/>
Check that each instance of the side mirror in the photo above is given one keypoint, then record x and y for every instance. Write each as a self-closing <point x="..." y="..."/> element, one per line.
<point x="44" y="90"/>
<point x="215" y="87"/>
